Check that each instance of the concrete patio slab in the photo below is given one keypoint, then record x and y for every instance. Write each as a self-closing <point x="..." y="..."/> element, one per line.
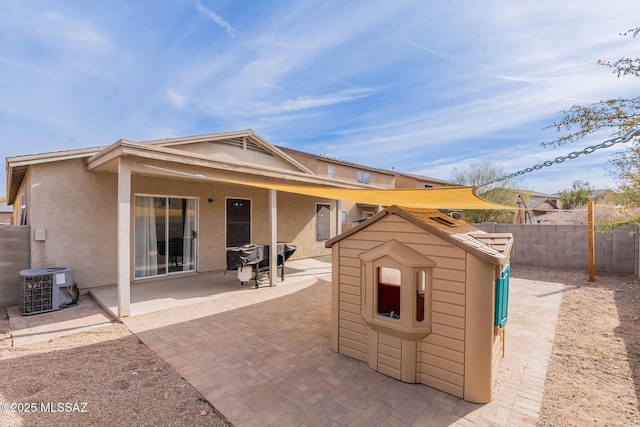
<point x="153" y="295"/>
<point x="84" y="315"/>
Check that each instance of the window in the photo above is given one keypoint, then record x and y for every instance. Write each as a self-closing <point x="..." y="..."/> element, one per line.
<point x="323" y="222"/>
<point x="363" y="177"/>
<point x="343" y="217"/>
<point x="23" y="210"/>
<point x="428" y="186"/>
<point x="421" y="289"/>
<point x="389" y="282"/>
<point x="238" y="222"/>
<point x="331" y="171"/>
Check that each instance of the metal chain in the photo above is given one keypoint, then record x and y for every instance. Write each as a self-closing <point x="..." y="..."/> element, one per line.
<point x="590" y="149"/>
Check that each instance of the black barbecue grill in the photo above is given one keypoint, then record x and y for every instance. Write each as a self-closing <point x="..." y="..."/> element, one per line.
<point x="257" y="257"/>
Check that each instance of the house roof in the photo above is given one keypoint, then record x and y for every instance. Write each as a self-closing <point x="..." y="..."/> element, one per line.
<point x="165" y="158"/>
<point x="17" y="166"/>
<point x="494" y="248"/>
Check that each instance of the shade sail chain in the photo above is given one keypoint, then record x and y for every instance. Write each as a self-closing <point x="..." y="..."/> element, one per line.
<point x="573" y="155"/>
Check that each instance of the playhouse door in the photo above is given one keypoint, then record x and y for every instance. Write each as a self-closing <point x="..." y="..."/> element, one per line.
<point x="164" y="235"/>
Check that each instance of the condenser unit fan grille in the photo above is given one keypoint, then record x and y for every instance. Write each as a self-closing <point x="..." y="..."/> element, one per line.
<point x="46" y="289"/>
<point x="37" y="294"/>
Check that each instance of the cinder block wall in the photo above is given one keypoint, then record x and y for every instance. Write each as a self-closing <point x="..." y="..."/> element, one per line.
<point x="566" y="246"/>
<point x="14" y="256"/>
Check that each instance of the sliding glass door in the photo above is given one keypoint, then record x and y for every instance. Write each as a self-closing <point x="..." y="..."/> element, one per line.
<point x="164" y="235"/>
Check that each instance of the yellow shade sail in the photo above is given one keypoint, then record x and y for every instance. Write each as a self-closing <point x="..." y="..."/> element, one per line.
<point x="426" y="198"/>
<point x="431" y="198"/>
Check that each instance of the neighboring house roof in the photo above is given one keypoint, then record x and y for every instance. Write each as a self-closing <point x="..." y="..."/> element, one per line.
<point x="370" y="168"/>
<point x="545" y="205"/>
<point x="425" y="178"/>
<point x="338" y="161"/>
<point x="494" y="248"/>
<point x="536" y="194"/>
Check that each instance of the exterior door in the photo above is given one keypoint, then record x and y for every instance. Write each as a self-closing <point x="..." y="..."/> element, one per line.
<point x="164" y="235"/>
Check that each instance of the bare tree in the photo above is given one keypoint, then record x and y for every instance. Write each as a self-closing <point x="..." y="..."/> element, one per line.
<point x="578" y="195"/>
<point x="476" y="175"/>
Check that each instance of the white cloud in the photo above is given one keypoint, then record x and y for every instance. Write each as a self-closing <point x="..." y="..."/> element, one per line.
<point x="76" y="31"/>
<point x="429" y="50"/>
<point x="220" y="21"/>
<point x="176" y="98"/>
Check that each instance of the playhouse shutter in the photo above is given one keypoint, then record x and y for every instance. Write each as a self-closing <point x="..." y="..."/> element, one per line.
<point x="502" y="297"/>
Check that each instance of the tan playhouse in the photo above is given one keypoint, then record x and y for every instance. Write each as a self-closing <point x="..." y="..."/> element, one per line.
<point x="422" y="298"/>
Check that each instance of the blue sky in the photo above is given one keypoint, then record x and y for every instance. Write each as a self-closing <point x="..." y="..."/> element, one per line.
<point x="421" y="86"/>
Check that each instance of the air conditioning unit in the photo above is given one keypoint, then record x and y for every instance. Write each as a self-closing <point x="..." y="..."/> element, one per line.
<point x="46" y="289"/>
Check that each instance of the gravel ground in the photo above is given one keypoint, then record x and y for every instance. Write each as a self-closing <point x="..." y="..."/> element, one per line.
<point x="593" y="377"/>
<point x="104" y="376"/>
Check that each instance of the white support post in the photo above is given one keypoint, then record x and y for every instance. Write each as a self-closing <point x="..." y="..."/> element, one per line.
<point x="273" y="244"/>
<point x="124" y="240"/>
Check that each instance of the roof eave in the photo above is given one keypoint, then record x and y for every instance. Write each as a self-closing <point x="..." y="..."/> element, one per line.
<point x="23" y="162"/>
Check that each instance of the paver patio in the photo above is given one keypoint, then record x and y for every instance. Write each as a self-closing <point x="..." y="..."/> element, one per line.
<point x="262" y="356"/>
<point x="262" y="361"/>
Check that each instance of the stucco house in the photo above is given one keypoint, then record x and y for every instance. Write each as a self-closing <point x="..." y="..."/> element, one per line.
<point x="137" y="210"/>
<point x="134" y="211"/>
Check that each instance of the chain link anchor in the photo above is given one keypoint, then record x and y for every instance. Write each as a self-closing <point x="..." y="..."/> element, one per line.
<point x="573" y="155"/>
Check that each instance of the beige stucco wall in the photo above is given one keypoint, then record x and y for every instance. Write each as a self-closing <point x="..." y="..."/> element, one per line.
<point x="462" y="295"/>
<point x="77" y="210"/>
<point x="404" y="181"/>
<point x="231" y="152"/>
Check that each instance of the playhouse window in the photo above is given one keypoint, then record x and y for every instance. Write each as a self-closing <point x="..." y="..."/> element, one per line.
<point x="421" y="289"/>
<point x="389" y="281"/>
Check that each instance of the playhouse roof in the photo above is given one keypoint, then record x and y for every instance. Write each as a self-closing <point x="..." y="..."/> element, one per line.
<point x="494" y="248"/>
